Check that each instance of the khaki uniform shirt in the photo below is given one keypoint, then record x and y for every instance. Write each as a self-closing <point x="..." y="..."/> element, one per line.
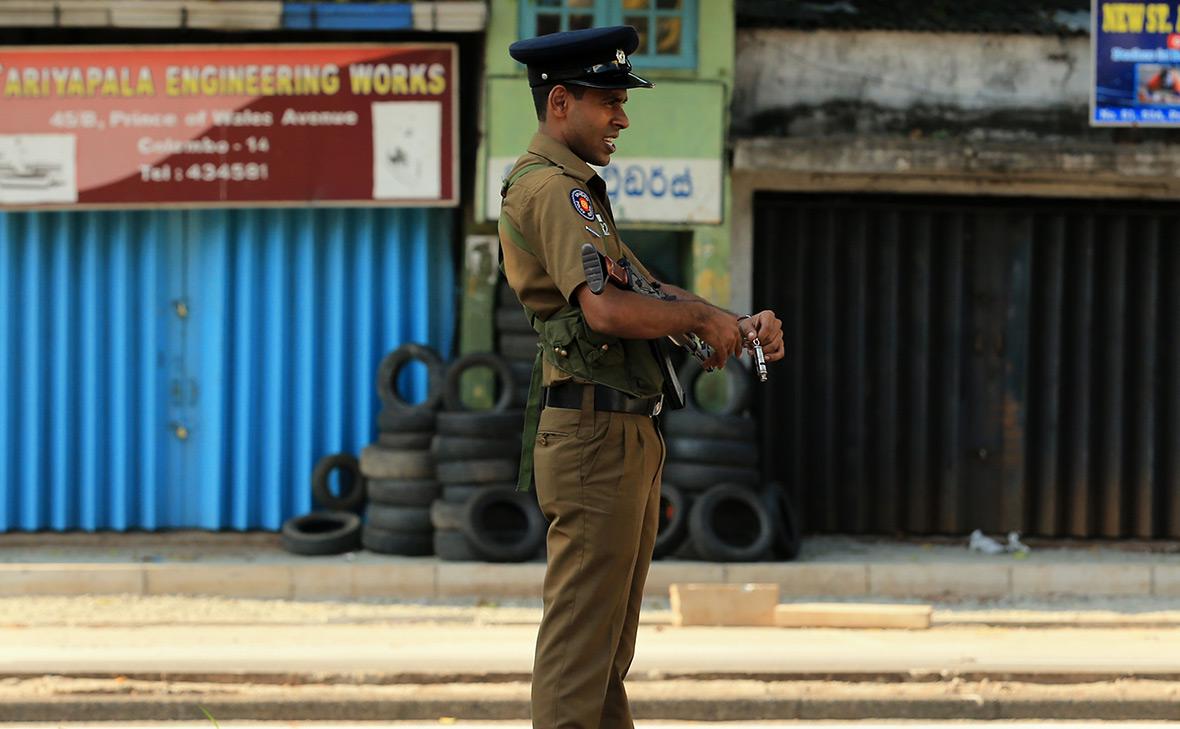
<point x="554" y="210"/>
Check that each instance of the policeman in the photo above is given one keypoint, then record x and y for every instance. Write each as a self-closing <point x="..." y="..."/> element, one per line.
<point x="595" y="452"/>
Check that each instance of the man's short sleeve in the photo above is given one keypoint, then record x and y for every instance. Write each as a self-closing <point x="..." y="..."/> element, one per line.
<point x="562" y="209"/>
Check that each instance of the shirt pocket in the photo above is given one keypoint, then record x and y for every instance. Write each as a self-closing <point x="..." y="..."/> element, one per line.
<point x="572" y="346"/>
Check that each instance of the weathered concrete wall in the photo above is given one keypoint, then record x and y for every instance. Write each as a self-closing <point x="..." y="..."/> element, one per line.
<point x="791" y="82"/>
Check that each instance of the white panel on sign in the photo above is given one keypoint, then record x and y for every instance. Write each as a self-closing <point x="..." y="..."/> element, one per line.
<point x="643" y="189"/>
<point x="37" y="168"/>
<point x="406" y="150"/>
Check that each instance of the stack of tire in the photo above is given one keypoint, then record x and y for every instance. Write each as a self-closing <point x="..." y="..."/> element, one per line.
<point x="398" y="468"/>
<point x="516" y="340"/>
<point x="480" y="515"/>
<point x="714" y="504"/>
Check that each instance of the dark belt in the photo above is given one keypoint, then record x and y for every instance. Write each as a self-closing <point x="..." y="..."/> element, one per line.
<point x="569" y="395"/>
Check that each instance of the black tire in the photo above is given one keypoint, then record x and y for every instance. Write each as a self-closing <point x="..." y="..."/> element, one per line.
<point x="698" y="477"/>
<point x="518" y="346"/>
<point x="730" y="523"/>
<point x="712" y="450"/>
<point x="673" y="521"/>
<point x="378" y="462"/>
<point x="352" y="497"/>
<point x="693" y="424"/>
<point x="481" y="425"/>
<point x="322" y="532"/>
<point x="392" y="364"/>
<point x="446" y="515"/>
<point x="405" y="441"/>
<point x="788" y="536"/>
<point x="384" y="541"/>
<point x="459" y="493"/>
<point x="399" y="421"/>
<point x="482" y="470"/>
<point x="394" y="492"/>
<point x="452" y="447"/>
<point x="503" y="525"/>
<point x="410" y="519"/>
<point x="451" y="546"/>
<point x="738" y="392"/>
<point x="512" y="320"/>
<point x="522" y="372"/>
<point x="505" y="385"/>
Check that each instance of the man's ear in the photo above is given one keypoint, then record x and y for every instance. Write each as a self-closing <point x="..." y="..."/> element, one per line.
<point x="559" y="101"/>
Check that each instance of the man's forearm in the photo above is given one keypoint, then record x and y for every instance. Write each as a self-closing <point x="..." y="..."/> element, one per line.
<point x="630" y="315"/>
<point x="686" y="295"/>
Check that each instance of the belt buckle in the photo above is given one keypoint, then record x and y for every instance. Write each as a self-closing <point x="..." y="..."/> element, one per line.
<point x="659" y="406"/>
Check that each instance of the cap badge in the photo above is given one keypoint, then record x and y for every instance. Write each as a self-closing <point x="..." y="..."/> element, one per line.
<point x="582" y="204"/>
<point x="621" y="57"/>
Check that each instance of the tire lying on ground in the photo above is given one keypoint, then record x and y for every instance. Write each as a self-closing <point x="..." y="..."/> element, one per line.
<point x="322" y="532"/>
<point x="505" y="382"/>
<point x="713" y="451"/>
<point x="457" y="447"/>
<point x="481" y="470"/>
<point x="387" y="541"/>
<point x="737" y="379"/>
<point x="407" y="519"/>
<point x="451" y="546"/>
<point x="730" y="523"/>
<point x="503" y="525"/>
<point x="352" y="483"/>
<point x="447" y="515"/>
<point x="481" y="424"/>
<point x="697" y="477"/>
<point x="693" y="424"/>
<point x="391" y="366"/>
<point x="512" y="320"/>
<point x="395" y="492"/>
<point x="379" y="462"/>
<point x="405" y="441"/>
<point x="788" y="535"/>
<point x="673" y="521"/>
<point x="459" y="493"/>
<point x="399" y="421"/>
<point x="518" y="346"/>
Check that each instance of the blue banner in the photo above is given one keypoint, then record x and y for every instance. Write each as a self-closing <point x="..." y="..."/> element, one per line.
<point x="1136" y="64"/>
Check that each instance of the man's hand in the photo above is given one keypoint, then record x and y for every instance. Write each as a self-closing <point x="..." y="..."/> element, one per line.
<point x="721" y="331"/>
<point x="768" y="330"/>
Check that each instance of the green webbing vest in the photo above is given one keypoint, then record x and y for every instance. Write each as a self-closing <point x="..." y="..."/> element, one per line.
<point x="568" y="344"/>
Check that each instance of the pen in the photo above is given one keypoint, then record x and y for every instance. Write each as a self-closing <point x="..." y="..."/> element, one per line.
<point x="591" y="231"/>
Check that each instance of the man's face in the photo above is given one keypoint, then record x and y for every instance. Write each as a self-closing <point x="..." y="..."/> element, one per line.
<point x="594" y="123"/>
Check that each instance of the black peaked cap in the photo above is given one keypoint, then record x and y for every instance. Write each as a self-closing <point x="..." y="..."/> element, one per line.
<point x="594" y="57"/>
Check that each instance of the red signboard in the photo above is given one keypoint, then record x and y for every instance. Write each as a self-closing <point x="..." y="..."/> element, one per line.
<point x="228" y="125"/>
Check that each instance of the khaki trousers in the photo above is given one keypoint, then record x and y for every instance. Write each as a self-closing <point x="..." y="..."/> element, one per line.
<point x="598" y="483"/>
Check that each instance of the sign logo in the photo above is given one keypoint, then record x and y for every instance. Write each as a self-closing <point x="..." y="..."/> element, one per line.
<point x="582" y="204"/>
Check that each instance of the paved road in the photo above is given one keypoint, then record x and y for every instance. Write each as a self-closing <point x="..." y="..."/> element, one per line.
<point x="430" y="649"/>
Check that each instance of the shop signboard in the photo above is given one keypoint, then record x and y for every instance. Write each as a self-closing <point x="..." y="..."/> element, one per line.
<point x="1136" y="52"/>
<point x="218" y="126"/>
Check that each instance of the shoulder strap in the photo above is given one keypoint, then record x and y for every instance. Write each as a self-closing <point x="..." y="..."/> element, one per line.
<point x="511" y="179"/>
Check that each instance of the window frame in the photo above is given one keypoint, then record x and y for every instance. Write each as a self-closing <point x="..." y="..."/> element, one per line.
<point x="611" y="12"/>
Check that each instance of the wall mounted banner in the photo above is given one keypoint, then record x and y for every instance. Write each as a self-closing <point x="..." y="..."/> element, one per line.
<point x="1136" y="49"/>
<point x="641" y="189"/>
<point x="110" y="126"/>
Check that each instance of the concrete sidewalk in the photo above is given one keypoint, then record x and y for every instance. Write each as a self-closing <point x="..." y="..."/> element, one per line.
<point x="253" y="565"/>
<point x="431" y="653"/>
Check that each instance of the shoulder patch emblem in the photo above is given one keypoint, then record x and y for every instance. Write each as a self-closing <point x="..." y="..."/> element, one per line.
<point x="582" y="203"/>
